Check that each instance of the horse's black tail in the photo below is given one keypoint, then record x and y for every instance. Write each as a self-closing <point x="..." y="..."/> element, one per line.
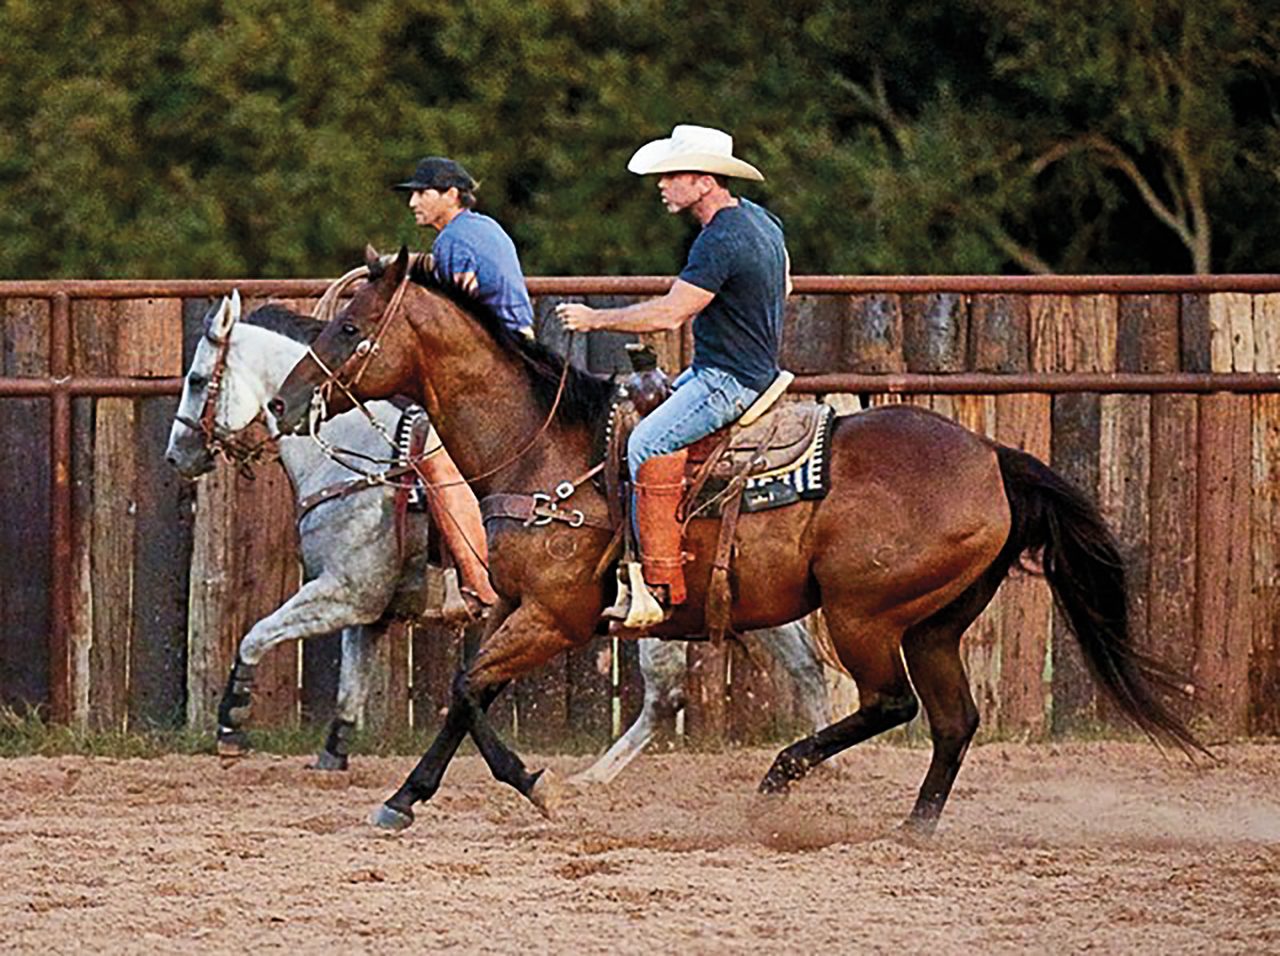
<point x="1086" y="573"/>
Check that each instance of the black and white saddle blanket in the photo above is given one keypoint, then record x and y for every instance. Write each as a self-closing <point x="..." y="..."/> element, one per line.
<point x="800" y="444"/>
<point x="414" y="435"/>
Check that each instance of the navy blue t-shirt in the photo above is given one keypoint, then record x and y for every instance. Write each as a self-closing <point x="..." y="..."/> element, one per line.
<point x="475" y="243"/>
<point x="740" y="256"/>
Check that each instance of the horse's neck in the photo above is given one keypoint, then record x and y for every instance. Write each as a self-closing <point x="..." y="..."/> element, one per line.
<point x="267" y="358"/>
<point x="487" y="410"/>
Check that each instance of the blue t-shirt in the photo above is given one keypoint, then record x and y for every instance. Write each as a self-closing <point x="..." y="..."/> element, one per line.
<point x="740" y="256"/>
<point x="473" y="242"/>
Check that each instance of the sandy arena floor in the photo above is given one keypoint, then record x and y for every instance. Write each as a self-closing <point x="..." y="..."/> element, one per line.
<point x="1105" y="847"/>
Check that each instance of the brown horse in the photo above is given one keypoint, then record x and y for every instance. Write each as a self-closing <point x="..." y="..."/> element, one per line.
<point x="922" y="522"/>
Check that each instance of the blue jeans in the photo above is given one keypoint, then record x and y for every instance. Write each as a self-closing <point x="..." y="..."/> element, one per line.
<point x="704" y="401"/>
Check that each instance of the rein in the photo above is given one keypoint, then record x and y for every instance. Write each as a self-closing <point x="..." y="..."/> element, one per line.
<point x="364" y="352"/>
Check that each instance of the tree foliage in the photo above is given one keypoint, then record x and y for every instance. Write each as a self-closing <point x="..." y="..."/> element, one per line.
<point x="258" y="137"/>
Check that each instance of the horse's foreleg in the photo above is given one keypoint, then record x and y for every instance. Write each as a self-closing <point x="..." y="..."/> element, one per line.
<point x="318" y="607"/>
<point x="424" y="780"/>
<point x="529" y="637"/>
<point x="353" y="691"/>
<point x="663" y="667"/>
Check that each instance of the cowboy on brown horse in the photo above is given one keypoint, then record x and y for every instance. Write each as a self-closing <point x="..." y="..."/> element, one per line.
<point x="733" y="289"/>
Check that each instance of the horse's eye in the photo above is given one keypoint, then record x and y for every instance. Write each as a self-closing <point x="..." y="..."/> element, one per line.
<point x="349" y="329"/>
<point x="196" y="381"/>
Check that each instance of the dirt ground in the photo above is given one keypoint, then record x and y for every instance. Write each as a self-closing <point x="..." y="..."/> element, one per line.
<point x="1097" y="846"/>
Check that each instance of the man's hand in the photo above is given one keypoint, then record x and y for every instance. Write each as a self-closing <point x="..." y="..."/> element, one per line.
<point x="576" y="317"/>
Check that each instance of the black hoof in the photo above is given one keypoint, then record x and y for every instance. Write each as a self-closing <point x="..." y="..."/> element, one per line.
<point x="772" y="786"/>
<point x="232" y="745"/>
<point x="328" y="761"/>
<point x="390" y="820"/>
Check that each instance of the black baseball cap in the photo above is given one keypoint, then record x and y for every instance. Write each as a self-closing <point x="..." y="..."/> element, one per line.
<point x="437" y="172"/>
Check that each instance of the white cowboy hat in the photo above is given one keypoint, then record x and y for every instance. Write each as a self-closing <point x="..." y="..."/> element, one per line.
<point x="692" y="149"/>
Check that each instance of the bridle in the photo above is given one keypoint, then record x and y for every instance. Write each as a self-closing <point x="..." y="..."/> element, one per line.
<point x="232" y="446"/>
<point x="364" y="352"/>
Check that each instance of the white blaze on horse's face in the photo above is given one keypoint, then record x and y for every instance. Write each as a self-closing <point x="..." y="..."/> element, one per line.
<point x="234" y="405"/>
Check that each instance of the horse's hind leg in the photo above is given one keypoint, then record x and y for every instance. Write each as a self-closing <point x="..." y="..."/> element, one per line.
<point x="869" y="649"/>
<point x="663" y="667"/>
<point x="353" y="691"/>
<point x="932" y="651"/>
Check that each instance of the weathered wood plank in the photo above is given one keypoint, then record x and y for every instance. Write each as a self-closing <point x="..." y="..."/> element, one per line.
<point x="1147" y="333"/>
<point x="212" y="632"/>
<point x="387" y="706"/>
<point x="813" y="331"/>
<point x="81" y="623"/>
<point x="267" y="572"/>
<point x="162" y="556"/>
<point x="1224" y="619"/>
<point x="113" y="535"/>
<point x="758" y="703"/>
<point x="321" y="660"/>
<point x="24" y="489"/>
<point x="935" y="332"/>
<point x="1174" y="526"/>
<point x="1231" y="332"/>
<point x="873" y="335"/>
<point x="629" y="688"/>
<point x="999" y="333"/>
<point x="590" y="703"/>
<point x="148" y="337"/>
<point x="1264" y="664"/>
<point x="1074" y="333"/>
<point x="1264" y="667"/>
<point x="1026" y="605"/>
<point x="706" y="716"/>
<point x="1196" y="350"/>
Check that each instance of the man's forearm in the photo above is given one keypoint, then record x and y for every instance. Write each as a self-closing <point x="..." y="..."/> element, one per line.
<point x="652" y="316"/>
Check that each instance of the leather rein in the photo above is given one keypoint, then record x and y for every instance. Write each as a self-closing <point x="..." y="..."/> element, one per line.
<point x="364" y="352"/>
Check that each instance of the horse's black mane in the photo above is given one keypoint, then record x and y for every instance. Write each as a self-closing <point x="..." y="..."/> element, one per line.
<point x="586" y="395"/>
<point x="277" y="318"/>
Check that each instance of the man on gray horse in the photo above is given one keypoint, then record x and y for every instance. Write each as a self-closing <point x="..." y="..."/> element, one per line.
<point x="733" y="288"/>
<point x="473" y="253"/>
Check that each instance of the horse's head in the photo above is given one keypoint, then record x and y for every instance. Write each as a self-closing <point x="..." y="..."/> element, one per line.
<point x="360" y="352"/>
<point x="217" y="403"/>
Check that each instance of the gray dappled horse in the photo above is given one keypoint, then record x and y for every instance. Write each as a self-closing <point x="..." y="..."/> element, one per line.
<point x="357" y="578"/>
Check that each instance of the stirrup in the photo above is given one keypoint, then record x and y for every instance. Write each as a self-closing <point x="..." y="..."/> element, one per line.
<point x="617" y="611"/>
<point x="644" y="610"/>
<point x="461" y="605"/>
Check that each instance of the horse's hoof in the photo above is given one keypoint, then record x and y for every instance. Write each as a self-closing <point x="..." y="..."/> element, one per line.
<point x="328" y="761"/>
<point x="585" y="779"/>
<point x="916" y="831"/>
<point x="390" y="820"/>
<point x="232" y="746"/>
<point x="547" y="793"/>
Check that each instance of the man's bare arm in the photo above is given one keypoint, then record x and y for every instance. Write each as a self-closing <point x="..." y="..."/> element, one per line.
<point x="678" y="306"/>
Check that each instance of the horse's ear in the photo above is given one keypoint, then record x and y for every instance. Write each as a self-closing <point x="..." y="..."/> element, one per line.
<point x="401" y="265"/>
<point x="220" y="319"/>
<point x="371" y="257"/>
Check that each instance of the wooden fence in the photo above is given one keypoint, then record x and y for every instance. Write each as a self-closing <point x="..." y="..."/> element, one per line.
<point x="165" y="576"/>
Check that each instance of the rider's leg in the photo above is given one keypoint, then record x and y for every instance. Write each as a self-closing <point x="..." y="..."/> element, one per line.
<point x="455" y="514"/>
<point x="704" y="401"/>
